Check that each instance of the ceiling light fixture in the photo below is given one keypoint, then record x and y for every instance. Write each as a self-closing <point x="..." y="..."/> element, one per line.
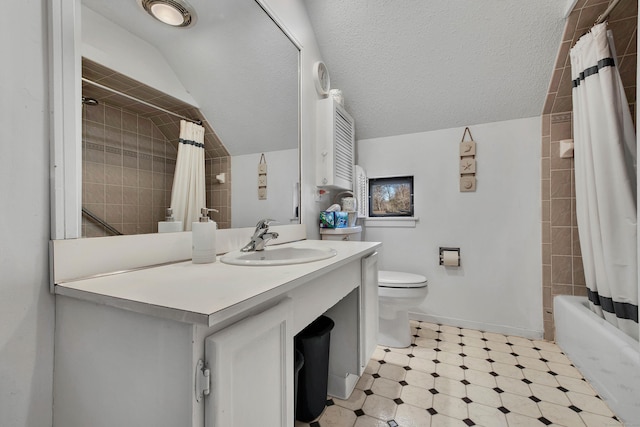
<point x="177" y="13"/>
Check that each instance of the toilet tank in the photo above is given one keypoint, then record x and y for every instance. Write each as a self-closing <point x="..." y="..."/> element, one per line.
<point x="346" y="233"/>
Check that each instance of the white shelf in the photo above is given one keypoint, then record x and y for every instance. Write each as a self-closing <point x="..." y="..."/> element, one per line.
<point x="406" y="222"/>
<point x="343" y="230"/>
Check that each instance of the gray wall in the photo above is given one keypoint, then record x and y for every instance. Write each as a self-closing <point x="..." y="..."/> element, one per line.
<point x="26" y="307"/>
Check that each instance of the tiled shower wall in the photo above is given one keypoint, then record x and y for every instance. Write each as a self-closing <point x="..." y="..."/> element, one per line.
<point x="219" y="193"/>
<point x="128" y="168"/>
<point x="562" y="270"/>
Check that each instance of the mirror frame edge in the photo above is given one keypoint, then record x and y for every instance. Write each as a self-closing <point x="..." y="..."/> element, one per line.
<point x="264" y="4"/>
<point x="66" y="128"/>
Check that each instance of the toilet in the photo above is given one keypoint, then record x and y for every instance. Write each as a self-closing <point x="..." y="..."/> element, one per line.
<point x="397" y="293"/>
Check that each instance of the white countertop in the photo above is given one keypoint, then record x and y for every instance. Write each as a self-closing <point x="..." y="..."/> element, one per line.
<point x="207" y="293"/>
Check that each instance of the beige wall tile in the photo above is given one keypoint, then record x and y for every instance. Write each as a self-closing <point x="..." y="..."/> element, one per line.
<point x="113" y="214"/>
<point x="113" y="194"/>
<point x="546" y="253"/>
<point x="129" y="215"/>
<point x="576" y="242"/>
<point x="93" y="172"/>
<point x="560" y="185"/>
<point x="545" y="170"/>
<point x="545" y="150"/>
<point x="546" y="275"/>
<point x="578" y="272"/>
<point x="565" y="85"/>
<point x="561" y="243"/>
<point x="546" y="232"/>
<point x="562" y="290"/>
<point x="93" y="193"/>
<point x="561" y="269"/>
<point x="562" y="104"/>
<point x="580" y="291"/>
<point x="546" y="125"/>
<point x="547" y="299"/>
<point x="560" y="212"/>
<point x="556" y="162"/>
<point x="546" y="210"/>
<point x="545" y="189"/>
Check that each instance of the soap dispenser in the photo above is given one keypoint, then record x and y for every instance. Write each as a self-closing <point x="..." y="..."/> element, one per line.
<point x="169" y="225"/>
<point x="203" y="238"/>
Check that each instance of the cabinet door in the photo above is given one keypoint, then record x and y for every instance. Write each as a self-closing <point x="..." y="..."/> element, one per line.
<point x="368" y="309"/>
<point x="251" y="364"/>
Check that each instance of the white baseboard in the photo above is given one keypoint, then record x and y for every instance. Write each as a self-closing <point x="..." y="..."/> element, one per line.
<point x="469" y="324"/>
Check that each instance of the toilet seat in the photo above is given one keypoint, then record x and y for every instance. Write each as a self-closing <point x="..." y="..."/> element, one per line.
<point x="400" y="279"/>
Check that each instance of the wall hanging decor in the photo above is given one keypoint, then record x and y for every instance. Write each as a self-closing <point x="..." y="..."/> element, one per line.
<point x="467" y="162"/>
<point x="262" y="178"/>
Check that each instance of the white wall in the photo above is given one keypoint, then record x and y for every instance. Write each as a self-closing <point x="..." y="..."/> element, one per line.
<point x="282" y="180"/>
<point x="26" y="307"/>
<point x="498" y="286"/>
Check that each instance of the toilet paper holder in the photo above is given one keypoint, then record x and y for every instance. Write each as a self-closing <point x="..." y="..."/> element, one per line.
<point x="448" y="262"/>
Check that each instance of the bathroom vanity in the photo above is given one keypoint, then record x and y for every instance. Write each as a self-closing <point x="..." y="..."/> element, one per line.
<point x="208" y="345"/>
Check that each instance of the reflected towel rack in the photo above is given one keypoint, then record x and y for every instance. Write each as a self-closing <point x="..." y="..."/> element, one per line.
<point x="102" y="222"/>
<point x="117" y="92"/>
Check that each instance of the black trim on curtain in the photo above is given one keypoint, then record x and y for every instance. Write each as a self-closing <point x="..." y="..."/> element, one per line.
<point x="603" y="63"/>
<point x="189" y="142"/>
<point x="622" y="310"/>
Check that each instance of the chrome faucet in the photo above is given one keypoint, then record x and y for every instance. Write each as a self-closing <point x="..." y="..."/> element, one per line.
<point x="260" y="236"/>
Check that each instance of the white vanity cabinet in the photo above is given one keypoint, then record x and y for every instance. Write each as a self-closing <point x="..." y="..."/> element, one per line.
<point x="122" y="362"/>
<point x="250" y="365"/>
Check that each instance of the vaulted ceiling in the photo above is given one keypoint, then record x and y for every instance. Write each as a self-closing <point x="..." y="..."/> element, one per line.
<point x="419" y="65"/>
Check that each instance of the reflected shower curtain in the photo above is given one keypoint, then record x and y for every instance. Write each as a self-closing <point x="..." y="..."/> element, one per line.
<point x="188" y="192"/>
<point x="605" y="169"/>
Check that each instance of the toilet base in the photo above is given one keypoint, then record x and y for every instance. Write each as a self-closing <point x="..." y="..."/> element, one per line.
<point x="395" y="332"/>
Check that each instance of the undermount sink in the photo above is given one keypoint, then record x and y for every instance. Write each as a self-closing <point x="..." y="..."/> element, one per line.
<point x="277" y="256"/>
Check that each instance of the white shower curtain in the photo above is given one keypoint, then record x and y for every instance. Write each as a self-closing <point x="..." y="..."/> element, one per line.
<point x="188" y="192"/>
<point x="605" y="170"/>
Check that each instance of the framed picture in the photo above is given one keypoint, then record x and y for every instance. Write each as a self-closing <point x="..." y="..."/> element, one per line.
<point x="391" y="197"/>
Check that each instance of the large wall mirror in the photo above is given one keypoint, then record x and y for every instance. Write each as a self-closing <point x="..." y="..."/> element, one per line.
<point x="235" y="70"/>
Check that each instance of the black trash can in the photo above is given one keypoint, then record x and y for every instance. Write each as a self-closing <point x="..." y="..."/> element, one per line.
<point x="313" y="343"/>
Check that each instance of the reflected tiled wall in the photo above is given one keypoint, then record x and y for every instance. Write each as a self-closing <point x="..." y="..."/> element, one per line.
<point x="128" y="168"/>
<point x="219" y="194"/>
<point x="131" y="145"/>
<point x="562" y="271"/>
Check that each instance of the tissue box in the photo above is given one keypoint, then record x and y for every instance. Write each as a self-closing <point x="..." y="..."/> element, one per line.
<point x="331" y="219"/>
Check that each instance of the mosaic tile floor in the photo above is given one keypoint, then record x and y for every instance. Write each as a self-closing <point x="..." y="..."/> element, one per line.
<point x="463" y="377"/>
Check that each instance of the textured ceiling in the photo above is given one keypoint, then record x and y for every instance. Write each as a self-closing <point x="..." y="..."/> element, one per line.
<point x="419" y="65"/>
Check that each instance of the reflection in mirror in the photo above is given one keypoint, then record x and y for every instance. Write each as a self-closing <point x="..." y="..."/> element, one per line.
<point x="235" y="70"/>
<point x="129" y="155"/>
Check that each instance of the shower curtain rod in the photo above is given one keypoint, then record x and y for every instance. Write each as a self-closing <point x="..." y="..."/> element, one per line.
<point x="117" y="92"/>
<point x="606" y="13"/>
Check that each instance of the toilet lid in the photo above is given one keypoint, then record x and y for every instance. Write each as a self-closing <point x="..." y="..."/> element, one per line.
<point x="399" y="279"/>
